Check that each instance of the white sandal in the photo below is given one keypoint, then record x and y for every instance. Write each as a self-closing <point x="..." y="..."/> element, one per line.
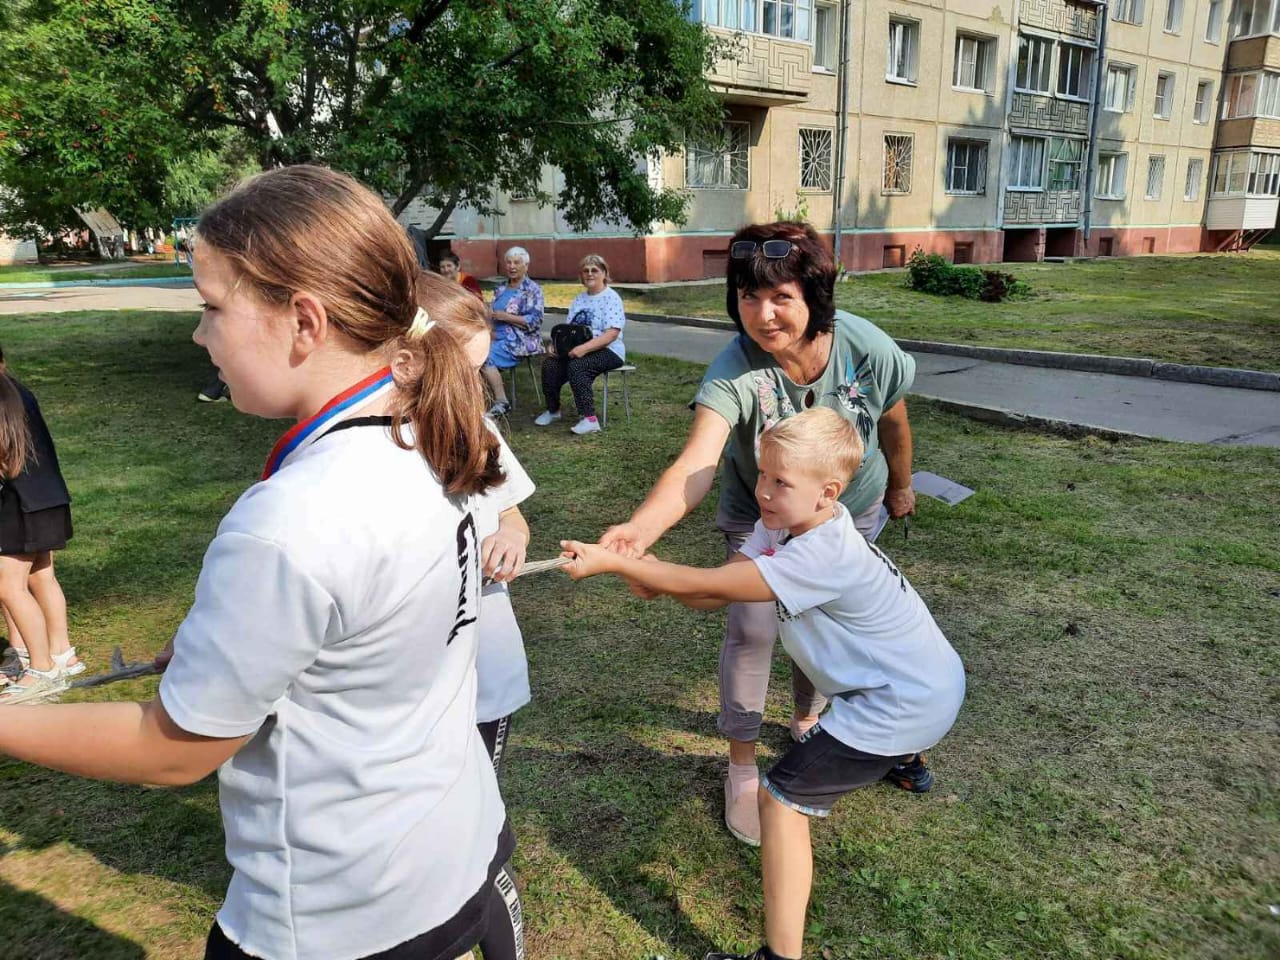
<point x="61" y="661"/>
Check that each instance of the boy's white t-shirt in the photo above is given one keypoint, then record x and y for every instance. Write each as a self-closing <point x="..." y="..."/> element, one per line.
<point x="502" y="669"/>
<point x="335" y="623"/>
<point x="855" y="626"/>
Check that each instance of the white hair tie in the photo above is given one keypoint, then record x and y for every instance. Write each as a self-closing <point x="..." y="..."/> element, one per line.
<point x="422" y="323"/>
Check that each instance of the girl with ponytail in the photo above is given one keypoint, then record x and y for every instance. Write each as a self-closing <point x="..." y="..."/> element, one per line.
<point x="326" y="667"/>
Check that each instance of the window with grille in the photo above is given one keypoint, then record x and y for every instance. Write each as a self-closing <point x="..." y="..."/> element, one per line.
<point x="786" y="18"/>
<point x="1173" y="16"/>
<point x="1121" y="85"/>
<point x="1065" y="158"/>
<point x="1111" y="175"/>
<point x="1155" y="177"/>
<point x="826" y="36"/>
<point x="1204" y="96"/>
<point x="1213" y="29"/>
<point x="1264" y="174"/>
<point x="1026" y="163"/>
<point x="1035" y="63"/>
<point x="1195" y="173"/>
<point x="722" y="165"/>
<point x="974" y="58"/>
<point x="904" y="46"/>
<point x="898" y="158"/>
<point x="815" y="159"/>
<point x="966" y="166"/>
<point x="1164" y="95"/>
<point x="1127" y="11"/>
<point x="1075" y="66"/>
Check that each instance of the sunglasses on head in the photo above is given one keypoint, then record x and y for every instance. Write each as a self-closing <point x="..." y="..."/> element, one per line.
<point x="772" y="249"/>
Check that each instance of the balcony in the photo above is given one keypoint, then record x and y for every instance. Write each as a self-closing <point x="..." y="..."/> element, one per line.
<point x="1241" y="213"/>
<point x="764" y="71"/>
<point x="1253" y="53"/>
<point x="1249" y="132"/>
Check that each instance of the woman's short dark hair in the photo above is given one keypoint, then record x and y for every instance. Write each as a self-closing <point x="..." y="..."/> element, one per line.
<point x="809" y="264"/>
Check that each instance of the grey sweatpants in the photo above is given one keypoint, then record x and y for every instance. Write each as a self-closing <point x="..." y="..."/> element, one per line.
<point x="746" y="655"/>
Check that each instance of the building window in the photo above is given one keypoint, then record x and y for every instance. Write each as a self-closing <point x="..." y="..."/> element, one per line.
<point x="1127" y="11"/>
<point x="904" y="46"/>
<point x="974" y="58"/>
<point x="1026" y="163"/>
<point x="1264" y="174"/>
<point x="1155" y="177"/>
<point x="1241" y="96"/>
<point x="1249" y="18"/>
<point x="967" y="166"/>
<point x="1111" y="175"/>
<point x="1035" y="62"/>
<point x="1122" y="82"/>
<point x="1164" y="95"/>
<point x="1213" y="29"/>
<point x="815" y="158"/>
<point x="1195" y="173"/>
<point x="722" y="165"/>
<point x="1065" y="157"/>
<point x="1075" y="67"/>
<point x="786" y="18"/>
<point x="1230" y="171"/>
<point x="898" y="150"/>
<point x="734" y="14"/>
<point x="826" y="36"/>
<point x="1173" y="16"/>
<point x="1204" y="96"/>
<point x="1269" y="96"/>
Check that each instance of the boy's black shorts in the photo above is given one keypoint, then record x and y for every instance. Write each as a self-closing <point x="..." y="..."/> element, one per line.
<point x="819" y="770"/>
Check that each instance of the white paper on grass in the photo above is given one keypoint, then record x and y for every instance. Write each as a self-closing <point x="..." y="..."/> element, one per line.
<point x="940" y="488"/>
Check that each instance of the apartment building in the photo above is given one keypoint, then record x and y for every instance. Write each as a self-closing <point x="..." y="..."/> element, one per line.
<point x="982" y="130"/>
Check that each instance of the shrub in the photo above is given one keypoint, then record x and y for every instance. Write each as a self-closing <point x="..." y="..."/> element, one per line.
<point x="932" y="273"/>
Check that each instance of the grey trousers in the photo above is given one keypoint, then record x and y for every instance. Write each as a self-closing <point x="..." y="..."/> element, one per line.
<point x="746" y="655"/>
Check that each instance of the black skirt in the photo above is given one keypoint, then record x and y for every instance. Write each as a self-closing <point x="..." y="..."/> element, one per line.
<point x="31" y="532"/>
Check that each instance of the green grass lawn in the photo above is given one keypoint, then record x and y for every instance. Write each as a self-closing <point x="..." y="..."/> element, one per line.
<point x="19" y="273"/>
<point x="1219" y="310"/>
<point x="1110" y="789"/>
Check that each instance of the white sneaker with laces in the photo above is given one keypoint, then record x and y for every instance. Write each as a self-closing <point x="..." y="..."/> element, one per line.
<point x="546" y="418"/>
<point x="586" y="425"/>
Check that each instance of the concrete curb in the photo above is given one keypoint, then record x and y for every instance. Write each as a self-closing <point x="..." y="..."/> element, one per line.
<point x="121" y="282"/>
<point x="1027" y="421"/>
<point x="1085" y="362"/>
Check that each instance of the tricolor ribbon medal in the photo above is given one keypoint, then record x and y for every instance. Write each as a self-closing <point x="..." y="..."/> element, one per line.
<point x="311" y="429"/>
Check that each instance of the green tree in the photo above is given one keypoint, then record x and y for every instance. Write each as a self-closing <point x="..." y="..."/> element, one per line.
<point x="440" y="99"/>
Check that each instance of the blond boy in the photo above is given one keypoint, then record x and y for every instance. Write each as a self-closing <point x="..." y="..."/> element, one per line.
<point x="850" y="621"/>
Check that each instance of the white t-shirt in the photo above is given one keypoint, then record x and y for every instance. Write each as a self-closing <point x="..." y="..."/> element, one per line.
<point x="861" y="633"/>
<point x="334" y="620"/>
<point x="502" y="669"/>
<point x="606" y="312"/>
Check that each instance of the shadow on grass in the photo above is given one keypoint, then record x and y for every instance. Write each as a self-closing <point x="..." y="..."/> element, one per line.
<point x="35" y="928"/>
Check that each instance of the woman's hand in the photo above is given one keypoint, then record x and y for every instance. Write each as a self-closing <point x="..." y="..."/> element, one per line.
<point x="589" y="559"/>
<point x="626" y="539"/>
<point x="502" y="554"/>
<point x="578" y="351"/>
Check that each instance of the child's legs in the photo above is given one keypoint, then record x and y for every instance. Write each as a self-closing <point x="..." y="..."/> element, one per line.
<point x="815" y="773"/>
<point x="22" y="606"/>
<point x="15" y="635"/>
<point x="45" y="588"/>
<point x="786" y="857"/>
<point x="494" y="734"/>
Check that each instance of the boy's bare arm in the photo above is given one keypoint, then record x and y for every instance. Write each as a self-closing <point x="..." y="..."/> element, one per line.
<point x="733" y="582"/>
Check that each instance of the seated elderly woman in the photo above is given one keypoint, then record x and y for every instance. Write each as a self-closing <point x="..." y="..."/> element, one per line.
<point x="600" y="309"/>
<point x="516" y="314"/>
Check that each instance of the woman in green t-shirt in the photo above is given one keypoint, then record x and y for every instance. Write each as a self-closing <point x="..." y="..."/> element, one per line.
<point x="794" y="351"/>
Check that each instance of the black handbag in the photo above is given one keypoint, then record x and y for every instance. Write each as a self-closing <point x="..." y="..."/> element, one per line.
<point x="566" y="336"/>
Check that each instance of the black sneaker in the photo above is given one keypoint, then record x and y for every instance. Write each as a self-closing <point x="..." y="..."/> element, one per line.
<point x="757" y="955"/>
<point x="911" y="775"/>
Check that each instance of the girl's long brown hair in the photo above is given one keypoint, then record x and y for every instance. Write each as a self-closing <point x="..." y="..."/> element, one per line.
<point x="311" y="228"/>
<point x="15" y="431"/>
